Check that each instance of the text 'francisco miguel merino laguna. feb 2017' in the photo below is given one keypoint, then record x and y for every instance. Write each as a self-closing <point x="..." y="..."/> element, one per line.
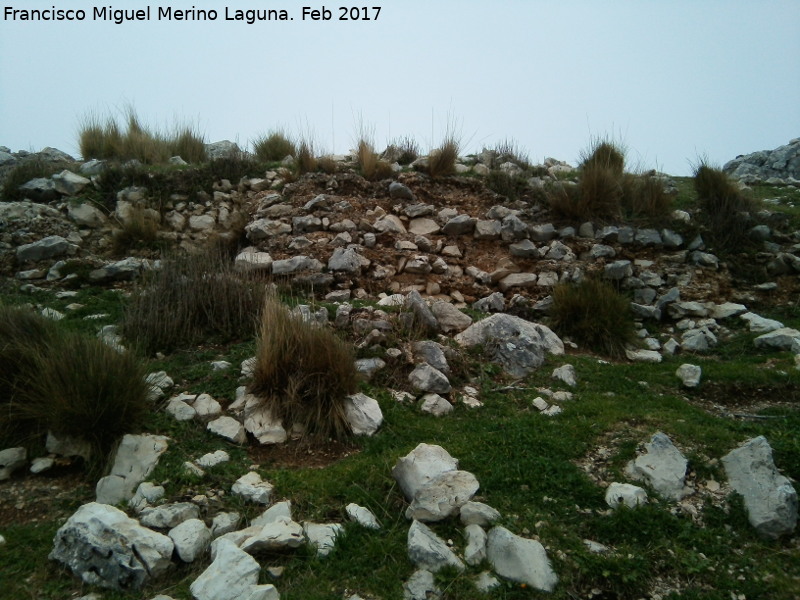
<point x="167" y="13"/>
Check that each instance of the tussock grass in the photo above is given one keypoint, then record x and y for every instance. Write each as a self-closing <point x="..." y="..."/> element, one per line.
<point x="644" y="198"/>
<point x="509" y="150"/>
<point x="725" y="210"/>
<point x="372" y="168"/>
<point x="594" y="315"/>
<point x="606" y="154"/>
<point x="442" y="160"/>
<point x="305" y="161"/>
<point x="106" y="140"/>
<point x="274" y="147"/>
<point x="404" y="150"/>
<point x="24" y="172"/>
<point x="193" y="298"/>
<point x="137" y="232"/>
<point x="304" y="373"/>
<point x="65" y="382"/>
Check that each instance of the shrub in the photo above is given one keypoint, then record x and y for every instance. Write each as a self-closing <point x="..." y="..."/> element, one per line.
<point x="274" y="147"/>
<point x="508" y="150"/>
<point x="304" y="372"/>
<point x="593" y="314"/>
<point x="598" y="195"/>
<point x="193" y="298"/>
<point x="725" y="211"/>
<point x="605" y="154"/>
<point x="67" y="383"/>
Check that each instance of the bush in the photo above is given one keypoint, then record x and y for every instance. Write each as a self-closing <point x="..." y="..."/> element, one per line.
<point x="725" y="211"/>
<point x="598" y="195"/>
<point x="274" y="147"/>
<point x="65" y="382"/>
<point x="644" y="198"/>
<point x="193" y="298"/>
<point x="505" y="184"/>
<point x="508" y="150"/>
<point x="593" y="314"/>
<point x="304" y="372"/>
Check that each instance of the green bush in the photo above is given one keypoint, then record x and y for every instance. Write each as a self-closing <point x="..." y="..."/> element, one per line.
<point x="65" y="382"/>
<point x="304" y="372"/>
<point x="274" y="147"/>
<point x="191" y="299"/>
<point x="724" y="209"/>
<point x="594" y="315"/>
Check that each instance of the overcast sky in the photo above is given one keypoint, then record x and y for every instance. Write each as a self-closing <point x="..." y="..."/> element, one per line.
<point x="672" y="79"/>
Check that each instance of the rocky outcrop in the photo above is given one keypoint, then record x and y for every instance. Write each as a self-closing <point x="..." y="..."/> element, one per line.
<point x="778" y="166"/>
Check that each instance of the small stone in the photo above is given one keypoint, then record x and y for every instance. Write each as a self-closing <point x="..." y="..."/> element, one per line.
<point x="625" y="493"/>
<point x="689" y="375"/>
<point x="251" y="487"/>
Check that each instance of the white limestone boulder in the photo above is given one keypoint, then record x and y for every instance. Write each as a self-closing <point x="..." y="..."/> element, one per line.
<point x="420" y="466"/>
<point x="428" y="551"/>
<point x="136" y="458"/>
<point x="663" y="467"/>
<point x="519" y="559"/>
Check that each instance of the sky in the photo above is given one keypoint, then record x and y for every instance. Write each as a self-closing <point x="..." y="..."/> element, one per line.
<point x="671" y="80"/>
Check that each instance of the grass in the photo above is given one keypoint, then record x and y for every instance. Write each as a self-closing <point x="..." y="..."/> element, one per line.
<point x="605" y="154"/>
<point x="135" y="233"/>
<point x="725" y="210"/>
<point x="274" y="147"/>
<point x="442" y="160"/>
<point x="304" y="372"/>
<point x="406" y="150"/>
<point x="193" y="298"/>
<point x="306" y="160"/>
<point x="594" y="315"/>
<point x="68" y="383"/>
<point x="371" y="166"/>
<point x="106" y="140"/>
<point x="23" y="173"/>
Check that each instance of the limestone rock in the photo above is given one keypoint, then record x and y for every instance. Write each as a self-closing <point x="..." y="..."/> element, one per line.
<point x="625" y="493"/>
<point x="663" y="467"/>
<point x="12" y="459"/>
<point x="103" y="546"/>
<point x="519" y="559"/>
<point x="398" y="191"/>
<point x="784" y="338"/>
<point x="758" y="324"/>
<point x="478" y="513"/>
<point x="566" y="374"/>
<point x="475" y="552"/>
<point x="251" y="487"/>
<point x="277" y="535"/>
<point x="689" y="375"/>
<point x="420" y="466"/>
<point x="426" y="378"/>
<point x="230" y="577"/>
<point x="363" y="414"/>
<point x="428" y="551"/>
<point x="363" y="516"/>
<point x="250" y="259"/>
<point x="450" y="319"/>
<point x="421" y="586"/>
<point x="228" y="428"/>
<point x="49" y="247"/>
<point x="435" y="405"/>
<point x="769" y="497"/>
<point x="136" y="457"/>
<point x="167" y="516"/>
<point x="322" y="536"/>
<point x="442" y="496"/>
<point x="191" y="539"/>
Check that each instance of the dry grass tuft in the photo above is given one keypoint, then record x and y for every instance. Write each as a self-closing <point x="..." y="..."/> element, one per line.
<point x="274" y="147"/>
<point x="725" y="210"/>
<point x="304" y="372"/>
<point x="442" y="161"/>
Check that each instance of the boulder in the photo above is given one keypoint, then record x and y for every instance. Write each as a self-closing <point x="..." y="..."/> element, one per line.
<point x="46" y="248"/>
<point x="250" y="259"/>
<point x="12" y="459"/>
<point x="663" y="467"/>
<point x="518" y="345"/>
<point x="322" y="536"/>
<point x="362" y="515"/>
<point x="625" y="493"/>
<point x="296" y="264"/>
<point x="428" y="551"/>
<point x="363" y="414"/>
<point x="478" y="513"/>
<point x="420" y="586"/>
<point x="566" y="374"/>
<point x="102" y="546"/>
<point x="784" y="338"/>
<point x="136" y="458"/>
<point x="769" y="497"/>
<point x="279" y="534"/>
<point x="426" y="378"/>
<point x="231" y="576"/>
<point x="259" y="421"/>
<point x="420" y="466"/>
<point x="442" y="496"/>
<point x="435" y="405"/>
<point x="459" y="225"/>
<point x="520" y="560"/>
<point x="450" y="319"/>
<point x="689" y="375"/>
<point x="228" y="428"/>
<point x="758" y="324"/>
<point x="475" y="552"/>
<point x="86" y="215"/>
<point x="191" y="539"/>
<point x="251" y="487"/>
<point x="167" y="516"/>
<point x="398" y="191"/>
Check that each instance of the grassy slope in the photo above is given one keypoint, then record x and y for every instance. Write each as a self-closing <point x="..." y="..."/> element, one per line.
<point x="525" y="462"/>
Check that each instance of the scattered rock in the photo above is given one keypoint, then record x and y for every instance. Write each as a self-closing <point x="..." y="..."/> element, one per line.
<point x="428" y="551"/>
<point x="689" y="375"/>
<point x="769" y="497"/>
<point x="520" y="560"/>
<point x="136" y="457"/>
<point x="12" y="459"/>
<point x="363" y="516"/>
<point x="625" y="493"/>
<point x="663" y="467"/>
<point x="231" y="576"/>
<point x="251" y="487"/>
